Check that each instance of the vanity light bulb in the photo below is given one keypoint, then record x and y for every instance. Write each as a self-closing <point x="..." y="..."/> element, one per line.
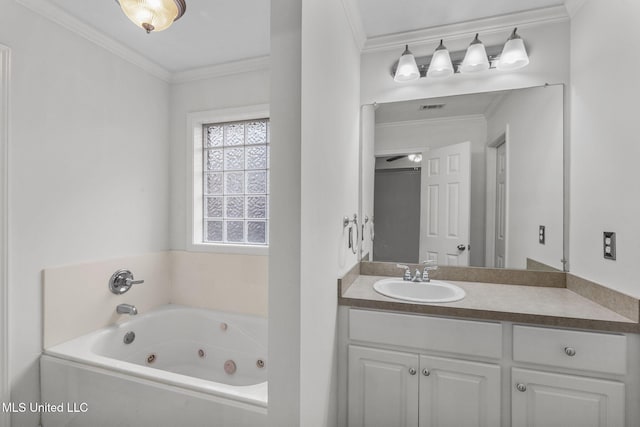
<point x="476" y="57"/>
<point x="440" y="65"/>
<point x="416" y="158"/>
<point x="407" y="68"/>
<point x="514" y="54"/>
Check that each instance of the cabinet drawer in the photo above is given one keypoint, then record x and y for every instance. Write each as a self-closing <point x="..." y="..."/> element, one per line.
<point x="588" y="351"/>
<point x="481" y="339"/>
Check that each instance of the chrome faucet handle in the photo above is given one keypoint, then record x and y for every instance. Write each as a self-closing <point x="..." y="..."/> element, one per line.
<point x="407" y="271"/>
<point x="121" y="281"/>
<point x="428" y="266"/>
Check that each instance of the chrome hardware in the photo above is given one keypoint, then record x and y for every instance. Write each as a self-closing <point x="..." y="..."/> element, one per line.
<point x="462" y="247"/>
<point x="129" y="337"/>
<point x="407" y="271"/>
<point x="260" y="363"/>
<point x="352" y="223"/>
<point x="428" y="266"/>
<point x="121" y="281"/>
<point x="412" y="371"/>
<point x="570" y="351"/>
<point x="426" y="372"/>
<point x="126" y="309"/>
<point x="521" y="387"/>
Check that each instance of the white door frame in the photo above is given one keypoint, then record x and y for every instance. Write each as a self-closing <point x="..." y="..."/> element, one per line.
<point x="5" y="56"/>
<point x="490" y="224"/>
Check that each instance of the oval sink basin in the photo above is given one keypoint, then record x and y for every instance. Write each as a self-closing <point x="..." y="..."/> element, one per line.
<point x="433" y="291"/>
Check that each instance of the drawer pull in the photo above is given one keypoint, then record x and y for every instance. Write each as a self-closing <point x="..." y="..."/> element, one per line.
<point x="570" y="351"/>
<point x="426" y="372"/>
<point x="521" y="387"/>
<point x="412" y="371"/>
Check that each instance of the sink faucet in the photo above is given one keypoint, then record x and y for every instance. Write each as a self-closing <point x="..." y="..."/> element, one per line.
<point x="428" y="266"/>
<point x="126" y="309"/>
<point x="407" y="272"/>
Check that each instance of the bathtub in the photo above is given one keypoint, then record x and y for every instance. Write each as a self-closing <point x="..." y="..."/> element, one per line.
<point x="173" y="366"/>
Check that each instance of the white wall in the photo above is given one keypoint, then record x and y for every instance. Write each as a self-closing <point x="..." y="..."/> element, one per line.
<point x="429" y="134"/>
<point x="548" y="46"/>
<point x="88" y="169"/>
<point x="534" y="118"/>
<point x="330" y="159"/>
<point x="604" y="142"/>
<point x="235" y="90"/>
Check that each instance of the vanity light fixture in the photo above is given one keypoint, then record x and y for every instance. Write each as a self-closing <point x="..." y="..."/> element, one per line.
<point x="407" y="68"/>
<point x="440" y="65"/>
<point x="476" y="57"/>
<point x="153" y="15"/>
<point x="512" y="56"/>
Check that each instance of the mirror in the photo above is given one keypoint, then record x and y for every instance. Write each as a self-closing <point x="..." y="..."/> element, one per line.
<point x="469" y="180"/>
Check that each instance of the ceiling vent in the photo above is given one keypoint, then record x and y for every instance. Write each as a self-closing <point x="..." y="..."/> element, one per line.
<point x="431" y="107"/>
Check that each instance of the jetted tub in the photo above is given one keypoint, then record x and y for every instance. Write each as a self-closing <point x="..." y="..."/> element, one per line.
<point x="173" y="366"/>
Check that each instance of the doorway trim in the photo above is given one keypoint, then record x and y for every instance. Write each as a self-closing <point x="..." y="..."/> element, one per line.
<point x="5" y="58"/>
<point x="490" y="224"/>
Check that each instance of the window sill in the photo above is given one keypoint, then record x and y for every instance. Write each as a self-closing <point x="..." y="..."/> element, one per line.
<point x="229" y="249"/>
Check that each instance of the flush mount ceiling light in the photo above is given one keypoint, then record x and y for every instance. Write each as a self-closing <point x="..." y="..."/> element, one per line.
<point x="407" y="68"/>
<point x="514" y="54"/>
<point x="477" y="57"/>
<point x="153" y="15"/>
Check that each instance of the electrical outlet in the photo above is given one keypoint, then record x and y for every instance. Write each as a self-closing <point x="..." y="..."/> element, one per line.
<point x="609" y="244"/>
<point x="541" y="235"/>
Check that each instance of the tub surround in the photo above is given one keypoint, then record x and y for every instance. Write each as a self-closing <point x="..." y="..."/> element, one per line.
<point x="77" y="299"/>
<point x="545" y="298"/>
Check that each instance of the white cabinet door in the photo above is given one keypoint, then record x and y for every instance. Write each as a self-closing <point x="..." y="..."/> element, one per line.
<point x="545" y="399"/>
<point x="458" y="393"/>
<point x="383" y="388"/>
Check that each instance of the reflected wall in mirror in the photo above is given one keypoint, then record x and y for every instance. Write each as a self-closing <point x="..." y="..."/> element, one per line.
<point x="471" y="180"/>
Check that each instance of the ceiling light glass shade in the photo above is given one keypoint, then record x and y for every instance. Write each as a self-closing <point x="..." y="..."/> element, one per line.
<point x="440" y="65"/>
<point x="514" y="54"/>
<point x="417" y="158"/>
<point x="153" y="15"/>
<point x="407" y="68"/>
<point x="476" y="58"/>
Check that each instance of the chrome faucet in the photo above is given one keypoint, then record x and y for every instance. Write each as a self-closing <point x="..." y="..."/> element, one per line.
<point x="127" y="309"/>
<point x="407" y="272"/>
<point x="428" y="266"/>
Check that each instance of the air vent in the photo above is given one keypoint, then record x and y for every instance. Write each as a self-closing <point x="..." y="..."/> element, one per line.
<point x="431" y="107"/>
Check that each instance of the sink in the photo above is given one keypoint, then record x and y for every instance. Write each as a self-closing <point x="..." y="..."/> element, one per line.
<point x="433" y="291"/>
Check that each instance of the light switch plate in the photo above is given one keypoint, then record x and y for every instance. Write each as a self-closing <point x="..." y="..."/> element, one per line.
<point x="541" y="235"/>
<point x="609" y="245"/>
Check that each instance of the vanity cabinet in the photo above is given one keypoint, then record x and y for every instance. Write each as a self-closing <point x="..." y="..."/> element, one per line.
<point x="390" y="388"/>
<point x="426" y="371"/>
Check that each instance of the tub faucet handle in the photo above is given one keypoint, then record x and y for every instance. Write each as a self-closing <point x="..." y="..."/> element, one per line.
<point x="121" y="281"/>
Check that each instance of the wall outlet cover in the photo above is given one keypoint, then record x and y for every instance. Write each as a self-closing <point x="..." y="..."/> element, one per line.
<point x="609" y="245"/>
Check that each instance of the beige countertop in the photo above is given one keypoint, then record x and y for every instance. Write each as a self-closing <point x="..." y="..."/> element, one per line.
<point x="551" y="306"/>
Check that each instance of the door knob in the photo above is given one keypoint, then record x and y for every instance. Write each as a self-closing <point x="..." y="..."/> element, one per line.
<point x="462" y="247"/>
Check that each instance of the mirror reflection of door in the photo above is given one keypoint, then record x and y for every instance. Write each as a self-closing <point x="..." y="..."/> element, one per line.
<point x="397" y="211"/>
<point x="501" y="205"/>
<point x="446" y="200"/>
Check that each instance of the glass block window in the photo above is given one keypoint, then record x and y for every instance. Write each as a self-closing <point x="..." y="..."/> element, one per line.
<point x="235" y="182"/>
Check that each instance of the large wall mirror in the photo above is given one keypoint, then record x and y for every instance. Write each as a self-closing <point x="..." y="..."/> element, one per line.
<point x="470" y="180"/>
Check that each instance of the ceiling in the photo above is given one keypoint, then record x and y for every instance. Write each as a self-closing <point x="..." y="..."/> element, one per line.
<point x="461" y="105"/>
<point x="220" y="31"/>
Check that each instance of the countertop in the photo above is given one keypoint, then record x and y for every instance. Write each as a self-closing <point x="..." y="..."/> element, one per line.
<point x="551" y="306"/>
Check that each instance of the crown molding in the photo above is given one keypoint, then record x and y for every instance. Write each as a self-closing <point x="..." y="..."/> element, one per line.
<point x="466" y="29"/>
<point x="219" y="70"/>
<point x="573" y="6"/>
<point x="59" y="16"/>
<point x="421" y="122"/>
<point x="352" y="12"/>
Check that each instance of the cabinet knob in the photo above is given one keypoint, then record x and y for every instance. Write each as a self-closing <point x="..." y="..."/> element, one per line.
<point x="412" y="371"/>
<point x="521" y="387"/>
<point x="570" y="351"/>
<point x="426" y="372"/>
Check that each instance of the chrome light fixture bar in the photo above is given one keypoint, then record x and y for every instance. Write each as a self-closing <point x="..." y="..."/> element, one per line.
<point x="511" y="56"/>
<point x="153" y="15"/>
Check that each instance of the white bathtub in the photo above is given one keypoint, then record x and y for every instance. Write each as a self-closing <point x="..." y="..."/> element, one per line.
<point x="185" y="366"/>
